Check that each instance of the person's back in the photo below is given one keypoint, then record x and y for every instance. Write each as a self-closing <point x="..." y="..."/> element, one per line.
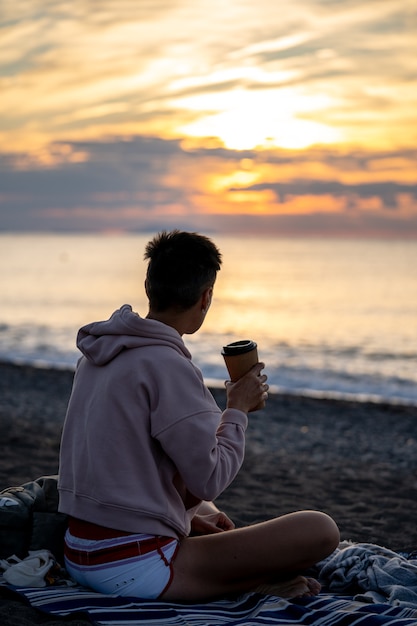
<point x="133" y="404"/>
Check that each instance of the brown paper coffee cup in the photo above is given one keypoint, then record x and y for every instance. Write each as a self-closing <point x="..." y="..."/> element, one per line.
<point x="239" y="357"/>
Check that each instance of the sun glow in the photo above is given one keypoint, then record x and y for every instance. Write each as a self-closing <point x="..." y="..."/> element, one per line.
<point x="244" y="120"/>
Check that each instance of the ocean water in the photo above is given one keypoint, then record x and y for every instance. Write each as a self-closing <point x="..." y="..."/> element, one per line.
<point x="332" y="318"/>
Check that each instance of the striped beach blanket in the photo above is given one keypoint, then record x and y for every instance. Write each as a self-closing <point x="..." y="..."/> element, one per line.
<point x="247" y="610"/>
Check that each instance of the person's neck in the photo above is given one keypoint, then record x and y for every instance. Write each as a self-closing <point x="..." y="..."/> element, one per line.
<point x="175" y="320"/>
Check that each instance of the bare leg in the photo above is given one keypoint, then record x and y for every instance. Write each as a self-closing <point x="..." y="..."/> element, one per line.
<point x="237" y="561"/>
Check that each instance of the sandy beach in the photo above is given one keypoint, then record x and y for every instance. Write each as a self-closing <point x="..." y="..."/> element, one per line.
<point x="355" y="461"/>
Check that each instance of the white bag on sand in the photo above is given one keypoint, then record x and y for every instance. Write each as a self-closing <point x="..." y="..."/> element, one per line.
<point x="29" y="572"/>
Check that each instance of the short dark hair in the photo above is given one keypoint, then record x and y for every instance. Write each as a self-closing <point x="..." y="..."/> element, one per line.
<point x="181" y="266"/>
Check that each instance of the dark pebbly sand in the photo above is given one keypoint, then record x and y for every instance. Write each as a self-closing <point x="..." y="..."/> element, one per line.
<point x="356" y="461"/>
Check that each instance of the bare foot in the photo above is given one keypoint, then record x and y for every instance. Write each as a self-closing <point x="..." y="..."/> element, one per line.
<point x="298" y="587"/>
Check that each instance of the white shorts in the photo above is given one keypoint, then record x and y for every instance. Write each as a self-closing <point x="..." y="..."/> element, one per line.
<point x="136" y="565"/>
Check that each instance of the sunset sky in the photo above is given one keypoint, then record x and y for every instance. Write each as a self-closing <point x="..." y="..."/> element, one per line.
<point x="282" y="118"/>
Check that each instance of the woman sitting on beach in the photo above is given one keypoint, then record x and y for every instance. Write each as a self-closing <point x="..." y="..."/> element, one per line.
<point x="145" y="449"/>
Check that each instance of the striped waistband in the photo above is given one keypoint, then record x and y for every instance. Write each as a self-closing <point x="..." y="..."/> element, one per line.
<point x="118" y="544"/>
<point x="113" y="553"/>
<point x="88" y="530"/>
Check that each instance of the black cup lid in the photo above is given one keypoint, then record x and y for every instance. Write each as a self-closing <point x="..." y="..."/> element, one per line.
<point x="238" y="347"/>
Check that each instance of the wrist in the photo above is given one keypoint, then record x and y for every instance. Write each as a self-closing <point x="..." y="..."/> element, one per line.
<point x="237" y="407"/>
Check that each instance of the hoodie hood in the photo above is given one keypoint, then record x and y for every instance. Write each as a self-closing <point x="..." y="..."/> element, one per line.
<point x="101" y="342"/>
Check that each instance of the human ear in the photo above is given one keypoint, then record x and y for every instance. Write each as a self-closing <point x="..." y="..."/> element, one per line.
<point x="206" y="299"/>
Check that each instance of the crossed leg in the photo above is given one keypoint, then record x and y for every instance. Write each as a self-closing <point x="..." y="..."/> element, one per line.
<point x="262" y="556"/>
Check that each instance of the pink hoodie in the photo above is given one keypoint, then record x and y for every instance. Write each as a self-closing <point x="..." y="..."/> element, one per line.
<point x="143" y="441"/>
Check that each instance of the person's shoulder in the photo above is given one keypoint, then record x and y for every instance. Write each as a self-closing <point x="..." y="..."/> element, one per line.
<point x="168" y="351"/>
<point x="166" y="359"/>
<point x="158" y="358"/>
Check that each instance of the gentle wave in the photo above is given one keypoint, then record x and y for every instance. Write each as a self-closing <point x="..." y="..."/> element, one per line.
<point x="315" y="371"/>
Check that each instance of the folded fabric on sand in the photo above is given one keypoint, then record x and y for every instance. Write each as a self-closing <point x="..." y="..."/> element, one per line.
<point x="374" y="573"/>
<point x="31" y="571"/>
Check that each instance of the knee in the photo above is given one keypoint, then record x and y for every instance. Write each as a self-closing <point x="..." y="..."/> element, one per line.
<point x="327" y="531"/>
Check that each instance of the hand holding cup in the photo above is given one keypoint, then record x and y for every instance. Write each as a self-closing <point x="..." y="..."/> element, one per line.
<point x="240" y="358"/>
